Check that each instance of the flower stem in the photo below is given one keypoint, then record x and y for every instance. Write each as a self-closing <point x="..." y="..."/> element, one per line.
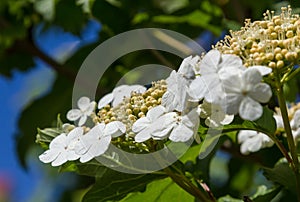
<point x="188" y="186"/>
<point x="288" y="130"/>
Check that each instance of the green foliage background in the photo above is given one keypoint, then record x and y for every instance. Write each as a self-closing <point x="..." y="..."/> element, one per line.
<point x="190" y="17"/>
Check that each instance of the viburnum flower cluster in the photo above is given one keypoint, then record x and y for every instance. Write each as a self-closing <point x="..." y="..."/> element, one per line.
<point x="215" y="88"/>
<point x="237" y="89"/>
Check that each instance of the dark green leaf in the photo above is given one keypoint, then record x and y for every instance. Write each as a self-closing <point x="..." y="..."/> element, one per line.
<point x="266" y="121"/>
<point x="114" y="186"/>
<point x="264" y="194"/>
<point x="69" y="16"/>
<point x="283" y="175"/>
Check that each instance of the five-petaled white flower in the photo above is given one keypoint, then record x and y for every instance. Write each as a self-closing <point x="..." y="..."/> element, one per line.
<point x="86" y="108"/>
<point x="62" y="148"/>
<point x="118" y="94"/>
<point x="97" y="140"/>
<point x="214" y="115"/>
<point x="244" y="92"/>
<point x="159" y="124"/>
<point x="253" y="141"/>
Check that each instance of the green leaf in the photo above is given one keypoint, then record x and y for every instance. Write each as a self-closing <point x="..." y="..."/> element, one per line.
<point x="107" y="14"/>
<point x="69" y="16"/>
<point x="112" y="185"/>
<point x="266" y="121"/>
<point x="264" y="194"/>
<point x="160" y="190"/>
<point x="196" y="18"/>
<point x="228" y="198"/>
<point x="283" y="175"/>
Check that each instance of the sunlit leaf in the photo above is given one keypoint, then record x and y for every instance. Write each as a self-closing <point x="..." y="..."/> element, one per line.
<point x="114" y="186"/>
<point x="160" y="190"/>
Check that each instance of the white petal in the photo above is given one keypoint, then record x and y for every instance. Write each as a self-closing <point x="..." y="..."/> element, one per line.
<point x="181" y="133"/>
<point x="91" y="107"/>
<point x="59" y="142"/>
<point x="198" y="88"/>
<point x="261" y="93"/>
<point x="125" y="91"/>
<point x="279" y="121"/>
<point x="49" y="155"/>
<point x="101" y="146"/>
<point x="163" y="125"/>
<point x="140" y="124"/>
<point x="168" y="101"/>
<point x="137" y="88"/>
<point x="191" y="120"/>
<point x="244" y="135"/>
<point x="229" y="61"/>
<point x="227" y="120"/>
<point x="86" y="157"/>
<point x="143" y="135"/>
<point x="75" y="133"/>
<point x="82" y="147"/>
<point x="171" y="81"/>
<point x="74" y="114"/>
<point x="255" y="144"/>
<point x="115" y="129"/>
<point x="82" y="120"/>
<point x="250" y="109"/>
<point x="262" y="69"/>
<point x="251" y="77"/>
<point x="232" y="103"/>
<point x="105" y="100"/>
<point x="83" y="103"/>
<point x="187" y="66"/>
<point x="72" y="155"/>
<point x="61" y="159"/>
<point x="97" y="130"/>
<point x="230" y="71"/>
<point x="155" y="113"/>
<point x="232" y="84"/>
<point x="209" y="64"/>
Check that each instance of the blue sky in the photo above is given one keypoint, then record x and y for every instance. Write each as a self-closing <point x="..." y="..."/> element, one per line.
<point x="19" y="91"/>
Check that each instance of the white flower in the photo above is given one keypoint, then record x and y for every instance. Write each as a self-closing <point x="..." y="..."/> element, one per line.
<point x="214" y="115"/>
<point x="244" y="91"/>
<point x="295" y="125"/>
<point x="176" y="97"/>
<point x="213" y="68"/>
<point x="189" y="66"/>
<point x="186" y="127"/>
<point x="119" y="93"/>
<point x="62" y="148"/>
<point x="159" y="125"/>
<point x="86" y="108"/>
<point x="97" y="140"/>
<point x="252" y="141"/>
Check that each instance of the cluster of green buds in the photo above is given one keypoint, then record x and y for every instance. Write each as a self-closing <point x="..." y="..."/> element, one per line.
<point x="133" y="107"/>
<point x="273" y="41"/>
